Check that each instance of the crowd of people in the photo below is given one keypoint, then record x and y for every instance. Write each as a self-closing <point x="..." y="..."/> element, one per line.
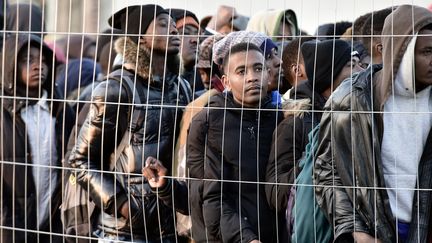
<point x="167" y="128"/>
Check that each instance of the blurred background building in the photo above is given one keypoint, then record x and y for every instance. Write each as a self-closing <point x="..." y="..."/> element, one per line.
<point x="90" y="16"/>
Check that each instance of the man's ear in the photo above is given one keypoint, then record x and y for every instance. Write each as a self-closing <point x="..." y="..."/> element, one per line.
<point x="378" y="48"/>
<point x="226" y="82"/>
<point x="295" y="68"/>
<point x="301" y="70"/>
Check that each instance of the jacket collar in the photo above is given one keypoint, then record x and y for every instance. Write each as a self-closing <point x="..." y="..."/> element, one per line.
<point x="137" y="59"/>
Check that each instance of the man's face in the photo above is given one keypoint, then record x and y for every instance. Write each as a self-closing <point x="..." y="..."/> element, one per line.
<point x="205" y="76"/>
<point x="162" y="36"/>
<point x="273" y="63"/>
<point x="246" y="78"/>
<point x="423" y="60"/>
<point x="189" y="45"/>
<point x="32" y="68"/>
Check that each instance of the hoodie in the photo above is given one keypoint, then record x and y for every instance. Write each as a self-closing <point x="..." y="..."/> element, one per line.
<point x="400" y="159"/>
<point x="394" y="94"/>
<point x="25" y="17"/>
<point x="268" y="22"/>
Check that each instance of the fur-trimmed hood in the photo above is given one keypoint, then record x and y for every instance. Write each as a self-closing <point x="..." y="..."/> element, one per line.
<point x="140" y="61"/>
<point x="296" y="107"/>
<point x="298" y="101"/>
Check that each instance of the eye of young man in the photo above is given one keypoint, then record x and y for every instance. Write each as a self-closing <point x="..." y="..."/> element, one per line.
<point x="258" y="68"/>
<point x="427" y="51"/>
<point x="189" y="30"/>
<point x="240" y="70"/>
<point x="163" y="23"/>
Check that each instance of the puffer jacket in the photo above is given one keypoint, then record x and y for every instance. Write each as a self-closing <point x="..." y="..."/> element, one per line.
<point x="18" y="194"/>
<point x="348" y="166"/>
<point x="153" y="134"/>
<point x="232" y="144"/>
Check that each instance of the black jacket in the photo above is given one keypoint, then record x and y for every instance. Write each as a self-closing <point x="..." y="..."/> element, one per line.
<point x="162" y="103"/>
<point x="18" y="194"/>
<point x="337" y="150"/>
<point x="289" y="142"/>
<point x="232" y="144"/>
<point x="352" y="136"/>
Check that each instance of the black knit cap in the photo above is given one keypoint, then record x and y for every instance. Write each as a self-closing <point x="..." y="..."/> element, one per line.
<point x="321" y="72"/>
<point x="178" y="14"/>
<point x="129" y="18"/>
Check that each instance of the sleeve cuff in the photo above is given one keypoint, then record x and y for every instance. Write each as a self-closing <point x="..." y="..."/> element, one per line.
<point x="248" y="236"/>
<point x="120" y="200"/>
<point x="163" y="191"/>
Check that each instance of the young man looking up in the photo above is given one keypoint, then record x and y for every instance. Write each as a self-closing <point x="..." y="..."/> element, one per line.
<point x="128" y="210"/>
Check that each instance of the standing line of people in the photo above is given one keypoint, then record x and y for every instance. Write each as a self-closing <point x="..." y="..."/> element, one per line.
<point x="228" y="129"/>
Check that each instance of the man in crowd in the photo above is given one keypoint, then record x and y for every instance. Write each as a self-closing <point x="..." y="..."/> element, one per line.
<point x="189" y="30"/>
<point x="33" y="130"/>
<point x="230" y="209"/>
<point x="293" y="62"/>
<point x="118" y="137"/>
<point x="371" y="34"/>
<point x="327" y="64"/>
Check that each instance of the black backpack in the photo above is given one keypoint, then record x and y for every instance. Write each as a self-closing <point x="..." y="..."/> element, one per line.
<point x="78" y="211"/>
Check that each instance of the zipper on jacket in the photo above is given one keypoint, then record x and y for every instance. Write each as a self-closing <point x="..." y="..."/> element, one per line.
<point x="251" y="130"/>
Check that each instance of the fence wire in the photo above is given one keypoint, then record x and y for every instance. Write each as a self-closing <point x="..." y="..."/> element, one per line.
<point x="172" y="126"/>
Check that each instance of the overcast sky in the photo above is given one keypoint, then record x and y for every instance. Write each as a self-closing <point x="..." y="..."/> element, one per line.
<point x="310" y="13"/>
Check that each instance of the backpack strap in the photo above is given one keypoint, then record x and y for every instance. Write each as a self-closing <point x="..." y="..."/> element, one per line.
<point x="124" y="77"/>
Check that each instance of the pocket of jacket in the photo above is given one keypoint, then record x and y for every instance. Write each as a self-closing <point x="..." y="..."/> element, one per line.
<point x="211" y="217"/>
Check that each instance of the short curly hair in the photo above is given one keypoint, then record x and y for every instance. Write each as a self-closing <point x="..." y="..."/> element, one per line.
<point x="373" y="30"/>
<point x="292" y="55"/>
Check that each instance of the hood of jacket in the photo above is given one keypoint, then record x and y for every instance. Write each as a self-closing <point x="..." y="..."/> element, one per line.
<point x="268" y="22"/>
<point x="296" y="107"/>
<point x="139" y="61"/>
<point x="299" y="100"/>
<point x="400" y="27"/>
<point x="17" y="18"/>
<point x="12" y="47"/>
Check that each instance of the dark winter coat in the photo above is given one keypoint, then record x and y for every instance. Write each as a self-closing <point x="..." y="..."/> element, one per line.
<point x="232" y="144"/>
<point x="18" y="194"/>
<point x="162" y="102"/>
<point x="348" y="166"/>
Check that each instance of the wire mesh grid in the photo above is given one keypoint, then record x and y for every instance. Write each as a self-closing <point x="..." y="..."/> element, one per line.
<point x="249" y="125"/>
